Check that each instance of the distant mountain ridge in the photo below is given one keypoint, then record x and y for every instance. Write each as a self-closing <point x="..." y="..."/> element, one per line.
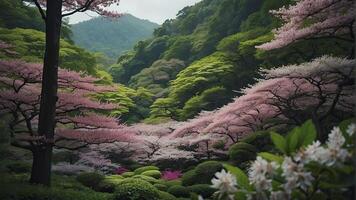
<point x="112" y="36"/>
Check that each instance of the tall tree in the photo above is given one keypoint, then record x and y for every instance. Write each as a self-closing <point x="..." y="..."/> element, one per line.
<point x="52" y="12"/>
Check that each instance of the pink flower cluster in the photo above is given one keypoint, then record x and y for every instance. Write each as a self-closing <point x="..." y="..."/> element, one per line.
<point x="324" y="18"/>
<point x="171" y="175"/>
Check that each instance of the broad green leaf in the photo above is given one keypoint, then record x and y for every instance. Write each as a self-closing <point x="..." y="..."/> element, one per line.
<point x="292" y="140"/>
<point x="241" y="177"/>
<point x="307" y="133"/>
<point x="279" y="142"/>
<point x="271" y="157"/>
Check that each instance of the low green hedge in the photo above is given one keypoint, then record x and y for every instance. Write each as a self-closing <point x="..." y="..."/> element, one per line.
<point x="179" y="191"/>
<point x="152" y="173"/>
<point x="202" y="174"/>
<point x="128" y="174"/>
<point x="144" y="169"/>
<point x="90" y="180"/>
<point x="135" y="189"/>
<point x="166" y="196"/>
<point x="161" y="187"/>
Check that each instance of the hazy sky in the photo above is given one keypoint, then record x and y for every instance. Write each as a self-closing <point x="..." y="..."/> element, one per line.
<point x="154" y="10"/>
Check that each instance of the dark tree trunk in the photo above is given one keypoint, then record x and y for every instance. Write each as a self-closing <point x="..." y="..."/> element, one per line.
<point x="41" y="170"/>
<point x="41" y="166"/>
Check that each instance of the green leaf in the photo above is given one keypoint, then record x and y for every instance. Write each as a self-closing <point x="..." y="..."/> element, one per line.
<point x="241" y="177"/>
<point x="279" y="142"/>
<point x="292" y="140"/>
<point x="344" y="125"/>
<point x="240" y="195"/>
<point x="271" y="157"/>
<point x="307" y="133"/>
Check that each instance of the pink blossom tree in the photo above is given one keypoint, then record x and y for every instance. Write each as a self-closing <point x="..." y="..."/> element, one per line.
<point x="52" y="12"/>
<point x="309" y="19"/>
<point x="77" y="119"/>
<point x="321" y="90"/>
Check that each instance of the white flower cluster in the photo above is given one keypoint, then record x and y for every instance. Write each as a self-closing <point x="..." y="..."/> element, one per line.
<point x="293" y="168"/>
<point x="226" y="183"/>
<point x="261" y="172"/>
<point x="330" y="154"/>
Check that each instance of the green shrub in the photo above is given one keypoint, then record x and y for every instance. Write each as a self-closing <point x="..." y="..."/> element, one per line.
<point x="160" y="186"/>
<point x="19" y="167"/>
<point x="105" y="186"/>
<point x="146" y="168"/>
<point x="179" y="191"/>
<point x="171" y="183"/>
<point x="242" y="152"/>
<point x="188" y="177"/>
<point x="202" y="174"/>
<point x="152" y="173"/>
<point x="135" y="189"/>
<point x="90" y="180"/>
<point x="128" y="174"/>
<point x="147" y="178"/>
<point x="113" y="179"/>
<point x="205" y="190"/>
<point x="166" y="196"/>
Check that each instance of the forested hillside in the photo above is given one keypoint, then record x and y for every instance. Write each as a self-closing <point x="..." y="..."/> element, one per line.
<point x="202" y="59"/>
<point x="112" y="36"/>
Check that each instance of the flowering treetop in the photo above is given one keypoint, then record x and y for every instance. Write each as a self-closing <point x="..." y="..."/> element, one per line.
<point x="72" y="6"/>
<point x="322" y="86"/>
<point x="313" y="18"/>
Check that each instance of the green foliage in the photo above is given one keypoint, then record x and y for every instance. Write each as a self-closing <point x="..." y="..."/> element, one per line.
<point x="173" y="182"/>
<point x="242" y="152"/>
<point x="90" y="179"/>
<point x="136" y="189"/>
<point x="30" y="192"/>
<point x="110" y="36"/>
<point x="189" y="177"/>
<point x="147" y="178"/>
<point x="295" y="139"/>
<point x="160" y="186"/>
<point x="16" y="14"/>
<point x="113" y="179"/>
<point x="145" y="168"/>
<point x="30" y="45"/>
<point x="330" y="176"/>
<point x="128" y="174"/>
<point x="105" y="186"/>
<point x="134" y="104"/>
<point x="166" y="196"/>
<point x="205" y="84"/>
<point x="156" y="77"/>
<point x="152" y="173"/>
<point x="241" y="177"/>
<point x="205" y="190"/>
<point x="179" y="191"/>
<point x="202" y="174"/>
<point x="19" y="167"/>
<point x="16" y="187"/>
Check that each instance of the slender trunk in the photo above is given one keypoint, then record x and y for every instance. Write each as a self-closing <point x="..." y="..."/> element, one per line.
<point x="41" y="171"/>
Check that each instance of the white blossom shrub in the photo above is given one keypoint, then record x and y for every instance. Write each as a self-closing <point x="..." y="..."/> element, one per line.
<point x="304" y="168"/>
